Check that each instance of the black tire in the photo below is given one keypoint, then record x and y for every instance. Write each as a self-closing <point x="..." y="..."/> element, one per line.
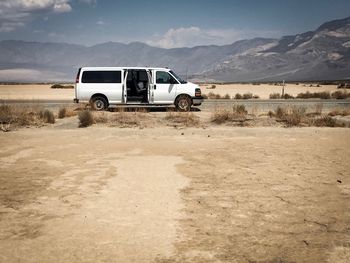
<point x="99" y="103"/>
<point x="183" y="103"/>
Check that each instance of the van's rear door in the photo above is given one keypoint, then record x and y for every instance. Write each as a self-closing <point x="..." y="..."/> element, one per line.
<point x="124" y="93"/>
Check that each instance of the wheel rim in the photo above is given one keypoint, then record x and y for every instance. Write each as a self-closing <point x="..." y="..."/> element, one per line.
<point x="99" y="105"/>
<point x="183" y="104"/>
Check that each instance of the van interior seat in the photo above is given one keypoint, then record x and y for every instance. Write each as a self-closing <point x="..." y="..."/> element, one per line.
<point x="137" y="85"/>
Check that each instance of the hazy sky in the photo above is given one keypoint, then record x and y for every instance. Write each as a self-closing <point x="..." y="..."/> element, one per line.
<point x="162" y="23"/>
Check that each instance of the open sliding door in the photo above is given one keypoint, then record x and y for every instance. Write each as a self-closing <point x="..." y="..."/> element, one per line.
<point x="150" y="93"/>
<point x="124" y="93"/>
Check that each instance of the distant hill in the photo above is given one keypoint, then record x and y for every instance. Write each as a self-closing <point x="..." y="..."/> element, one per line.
<point x="315" y="55"/>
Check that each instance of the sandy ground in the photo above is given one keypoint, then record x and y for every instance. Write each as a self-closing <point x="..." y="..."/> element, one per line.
<point x="264" y="90"/>
<point x="41" y="92"/>
<point x="34" y="92"/>
<point x="219" y="194"/>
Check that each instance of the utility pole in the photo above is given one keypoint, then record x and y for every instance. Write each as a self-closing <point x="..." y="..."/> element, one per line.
<point x="283" y="89"/>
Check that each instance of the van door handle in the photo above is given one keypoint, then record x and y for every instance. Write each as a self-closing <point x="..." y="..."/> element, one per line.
<point x="155" y="87"/>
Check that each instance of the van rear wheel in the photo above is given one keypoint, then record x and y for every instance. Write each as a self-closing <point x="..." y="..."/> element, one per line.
<point x="183" y="103"/>
<point x="99" y="103"/>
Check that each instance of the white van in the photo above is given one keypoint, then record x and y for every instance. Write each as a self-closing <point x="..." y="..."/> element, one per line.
<point x="106" y="86"/>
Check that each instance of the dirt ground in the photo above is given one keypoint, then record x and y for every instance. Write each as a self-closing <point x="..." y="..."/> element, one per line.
<point x="213" y="194"/>
<point x="44" y="92"/>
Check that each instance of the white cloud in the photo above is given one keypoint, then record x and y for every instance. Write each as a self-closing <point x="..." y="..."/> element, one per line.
<point x="100" y="23"/>
<point x="16" y="13"/>
<point x="195" y="36"/>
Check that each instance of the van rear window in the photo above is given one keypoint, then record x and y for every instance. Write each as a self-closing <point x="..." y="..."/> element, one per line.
<point x="101" y="77"/>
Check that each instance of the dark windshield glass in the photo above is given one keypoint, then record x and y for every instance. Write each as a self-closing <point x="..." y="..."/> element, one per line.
<point x="177" y="77"/>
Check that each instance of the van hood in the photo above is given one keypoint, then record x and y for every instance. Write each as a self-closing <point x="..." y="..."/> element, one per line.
<point x="190" y="84"/>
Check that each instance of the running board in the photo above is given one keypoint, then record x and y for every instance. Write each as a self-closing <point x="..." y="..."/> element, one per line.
<point x="140" y="105"/>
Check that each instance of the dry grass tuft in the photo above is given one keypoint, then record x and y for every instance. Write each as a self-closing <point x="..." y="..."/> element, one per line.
<point x="187" y="119"/>
<point x="212" y="87"/>
<point x="245" y="96"/>
<point x="275" y="96"/>
<point x="212" y="96"/>
<point x="13" y="116"/>
<point x="238" y="96"/>
<point x="238" y="114"/>
<point x="100" y="117"/>
<point x="296" y="116"/>
<point x="66" y="112"/>
<point x="226" y="97"/>
<point x="286" y="96"/>
<point x="323" y="121"/>
<point x="85" y="118"/>
<point x="340" y="95"/>
<point x="314" y="95"/>
<point x="47" y="116"/>
<point x="124" y="119"/>
<point x="60" y="86"/>
<point x="293" y="116"/>
<point x="338" y="112"/>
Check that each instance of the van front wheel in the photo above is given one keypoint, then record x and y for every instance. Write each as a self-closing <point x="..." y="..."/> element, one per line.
<point x="183" y="103"/>
<point x="99" y="103"/>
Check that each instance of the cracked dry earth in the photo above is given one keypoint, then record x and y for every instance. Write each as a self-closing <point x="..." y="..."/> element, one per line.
<point x="154" y="195"/>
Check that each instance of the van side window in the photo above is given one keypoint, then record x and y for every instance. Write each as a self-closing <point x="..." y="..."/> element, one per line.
<point x="101" y="77"/>
<point x="163" y="77"/>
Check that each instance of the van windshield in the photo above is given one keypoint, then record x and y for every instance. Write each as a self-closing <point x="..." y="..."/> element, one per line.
<point x="177" y="77"/>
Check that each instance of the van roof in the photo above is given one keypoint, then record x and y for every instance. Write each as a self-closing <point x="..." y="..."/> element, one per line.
<point x="121" y="68"/>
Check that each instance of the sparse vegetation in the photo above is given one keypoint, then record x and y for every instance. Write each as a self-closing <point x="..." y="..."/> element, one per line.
<point x="237" y="114"/>
<point x="85" y="118"/>
<point x="275" y="96"/>
<point x="65" y="112"/>
<point x="60" y="86"/>
<point x="296" y="116"/>
<point x="339" y="95"/>
<point x="245" y="96"/>
<point x="100" y="117"/>
<point x="314" y="95"/>
<point x="238" y="96"/>
<point x="343" y="86"/>
<point x="226" y="97"/>
<point x="338" y="112"/>
<point x="212" y="87"/>
<point x="279" y="96"/>
<point x="47" y="116"/>
<point x="125" y="119"/>
<point x="187" y="119"/>
<point x="287" y="96"/>
<point x="290" y="116"/>
<point x="13" y="116"/>
<point x="323" y="121"/>
<point x="212" y="95"/>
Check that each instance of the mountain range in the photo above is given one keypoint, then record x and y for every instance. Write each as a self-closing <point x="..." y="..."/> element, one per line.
<point x="322" y="54"/>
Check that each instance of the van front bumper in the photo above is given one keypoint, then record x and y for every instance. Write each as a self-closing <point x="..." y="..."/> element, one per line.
<point x="196" y="101"/>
